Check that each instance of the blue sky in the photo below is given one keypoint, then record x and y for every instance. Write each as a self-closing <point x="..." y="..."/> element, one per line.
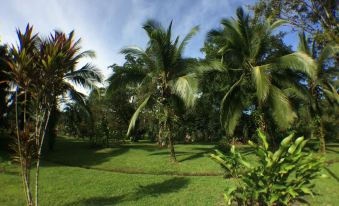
<point x="106" y="26"/>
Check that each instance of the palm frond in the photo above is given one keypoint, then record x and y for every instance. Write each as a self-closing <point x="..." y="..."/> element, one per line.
<point x="210" y="66"/>
<point x="125" y="76"/>
<point x="262" y="82"/>
<point x="231" y="111"/>
<point x="276" y="24"/>
<point x="184" y="42"/>
<point x="186" y="88"/>
<point x="87" y="76"/>
<point x="136" y="115"/>
<point x="231" y="108"/>
<point x="298" y="61"/>
<point x="282" y="112"/>
<point x="74" y="95"/>
<point x="140" y="53"/>
<point x="303" y="44"/>
<point x="331" y="93"/>
<point x="329" y="51"/>
<point x="151" y="25"/>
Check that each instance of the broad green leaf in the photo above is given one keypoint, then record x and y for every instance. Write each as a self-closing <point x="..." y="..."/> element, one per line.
<point x="263" y="139"/>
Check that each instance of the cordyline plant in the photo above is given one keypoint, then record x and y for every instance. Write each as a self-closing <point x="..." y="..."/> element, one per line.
<point x="281" y="177"/>
<point x="38" y="71"/>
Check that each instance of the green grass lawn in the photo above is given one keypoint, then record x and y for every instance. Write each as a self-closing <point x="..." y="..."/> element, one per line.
<point x="137" y="174"/>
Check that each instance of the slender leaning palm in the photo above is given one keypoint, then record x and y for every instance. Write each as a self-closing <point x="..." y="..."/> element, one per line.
<point x="243" y="47"/>
<point x="322" y="86"/>
<point x="165" y="78"/>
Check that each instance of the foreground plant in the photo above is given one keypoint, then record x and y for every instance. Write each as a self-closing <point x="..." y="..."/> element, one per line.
<point x="280" y="178"/>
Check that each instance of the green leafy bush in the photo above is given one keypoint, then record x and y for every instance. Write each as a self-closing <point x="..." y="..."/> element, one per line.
<point x="223" y="145"/>
<point x="230" y="161"/>
<point x="280" y="178"/>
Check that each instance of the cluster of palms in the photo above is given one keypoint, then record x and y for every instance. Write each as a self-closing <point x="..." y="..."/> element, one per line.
<point x="38" y="74"/>
<point x="260" y="81"/>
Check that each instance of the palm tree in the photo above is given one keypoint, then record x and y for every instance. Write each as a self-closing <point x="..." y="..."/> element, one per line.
<point x="60" y="55"/>
<point x="244" y="49"/>
<point x="322" y="86"/>
<point x="165" y="78"/>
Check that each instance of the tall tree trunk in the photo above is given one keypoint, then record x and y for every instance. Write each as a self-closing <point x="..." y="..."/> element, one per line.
<point x="322" y="144"/>
<point x="317" y="111"/>
<point x="171" y="146"/>
<point x="159" y="135"/>
<point x="170" y="139"/>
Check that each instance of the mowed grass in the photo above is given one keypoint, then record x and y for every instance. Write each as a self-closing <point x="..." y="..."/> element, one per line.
<point x="137" y="158"/>
<point x="75" y="174"/>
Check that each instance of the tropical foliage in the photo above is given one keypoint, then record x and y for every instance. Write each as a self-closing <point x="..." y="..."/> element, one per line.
<point x="280" y="178"/>
<point x="243" y="48"/>
<point x="166" y="79"/>
<point x="248" y="79"/>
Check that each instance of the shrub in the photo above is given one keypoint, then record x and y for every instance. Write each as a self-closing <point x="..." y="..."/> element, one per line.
<point x="280" y="178"/>
<point x="230" y="161"/>
<point x="224" y="145"/>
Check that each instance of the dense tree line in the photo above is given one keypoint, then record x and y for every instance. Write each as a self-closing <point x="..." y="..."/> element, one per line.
<point x="248" y="79"/>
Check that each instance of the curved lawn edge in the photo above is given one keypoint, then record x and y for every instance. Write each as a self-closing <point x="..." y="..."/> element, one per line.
<point x="139" y="172"/>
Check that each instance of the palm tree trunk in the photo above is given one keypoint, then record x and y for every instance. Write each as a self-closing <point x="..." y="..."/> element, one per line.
<point x="171" y="146"/>
<point x="170" y="141"/>
<point x="318" y="119"/>
<point x="159" y="135"/>
<point x="322" y="144"/>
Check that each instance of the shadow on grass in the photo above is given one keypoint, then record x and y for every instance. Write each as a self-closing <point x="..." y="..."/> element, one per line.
<point x="152" y="190"/>
<point x="332" y="150"/>
<point x="332" y="174"/>
<point x="8" y="172"/>
<point x="79" y="153"/>
<point x="156" y="189"/>
<point x="200" y="152"/>
<point x="82" y="157"/>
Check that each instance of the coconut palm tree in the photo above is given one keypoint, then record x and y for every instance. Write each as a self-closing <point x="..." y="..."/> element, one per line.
<point x="164" y="80"/>
<point x="243" y="48"/>
<point x="324" y="85"/>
